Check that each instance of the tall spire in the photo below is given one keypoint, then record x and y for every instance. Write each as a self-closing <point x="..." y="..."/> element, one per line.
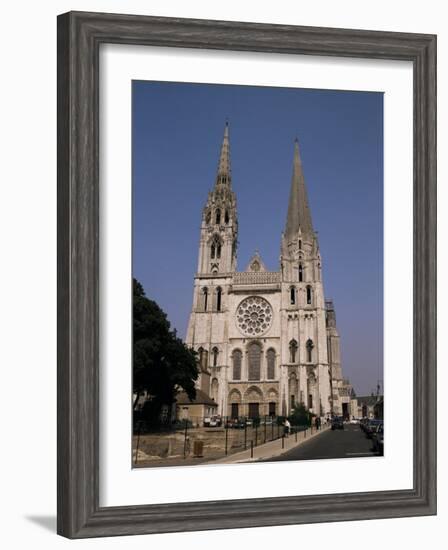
<point x="224" y="175"/>
<point x="298" y="210"/>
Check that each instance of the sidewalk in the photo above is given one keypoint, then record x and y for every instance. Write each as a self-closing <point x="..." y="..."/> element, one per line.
<point x="270" y="449"/>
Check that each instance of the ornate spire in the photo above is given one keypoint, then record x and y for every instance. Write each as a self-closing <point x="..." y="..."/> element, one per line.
<point x="224" y="175"/>
<point x="298" y="210"/>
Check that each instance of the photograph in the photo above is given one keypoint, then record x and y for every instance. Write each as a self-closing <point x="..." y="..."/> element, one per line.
<point x="257" y="274"/>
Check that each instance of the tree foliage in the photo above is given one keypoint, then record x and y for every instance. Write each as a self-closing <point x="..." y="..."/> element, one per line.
<point x="162" y="363"/>
<point x="300" y="416"/>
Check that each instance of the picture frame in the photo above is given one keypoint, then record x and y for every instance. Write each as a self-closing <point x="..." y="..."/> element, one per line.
<point x="80" y="35"/>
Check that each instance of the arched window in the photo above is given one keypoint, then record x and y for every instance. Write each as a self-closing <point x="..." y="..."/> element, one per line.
<point x="215" y="353"/>
<point x="218" y="298"/>
<point x="300" y="273"/>
<point x="254" y="361"/>
<point x="292" y="351"/>
<point x="215" y="248"/>
<point x="300" y="244"/>
<point x="203" y="358"/>
<point x="208" y="217"/>
<point x="218" y="217"/>
<point x="309" y="350"/>
<point x="237" y="356"/>
<point x="292" y="295"/>
<point x="270" y="356"/>
<point x="310" y="401"/>
<point x="204" y="298"/>
<point x="308" y="294"/>
<point x="226" y="217"/>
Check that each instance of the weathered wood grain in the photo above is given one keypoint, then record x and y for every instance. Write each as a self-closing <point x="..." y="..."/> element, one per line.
<point x="79" y="38"/>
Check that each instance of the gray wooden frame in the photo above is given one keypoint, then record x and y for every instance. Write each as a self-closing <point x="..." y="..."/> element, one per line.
<point x="79" y="38"/>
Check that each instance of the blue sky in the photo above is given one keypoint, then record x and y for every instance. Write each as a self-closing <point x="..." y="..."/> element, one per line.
<point x="177" y="134"/>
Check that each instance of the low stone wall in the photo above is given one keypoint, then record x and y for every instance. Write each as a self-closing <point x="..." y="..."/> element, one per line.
<point x="165" y="445"/>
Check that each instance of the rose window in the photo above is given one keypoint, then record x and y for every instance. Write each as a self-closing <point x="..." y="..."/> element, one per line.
<point x="254" y="316"/>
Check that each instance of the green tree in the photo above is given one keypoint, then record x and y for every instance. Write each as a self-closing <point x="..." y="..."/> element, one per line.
<point x="162" y="363"/>
<point x="300" y="416"/>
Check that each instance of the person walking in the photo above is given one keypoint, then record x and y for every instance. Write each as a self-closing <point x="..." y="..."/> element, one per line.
<point x="287" y="426"/>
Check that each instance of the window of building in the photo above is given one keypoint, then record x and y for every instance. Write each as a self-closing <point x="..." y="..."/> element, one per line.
<point x="308" y="294"/>
<point x="292" y="351"/>
<point x="270" y="356"/>
<point x="218" y="298"/>
<point x="215" y="353"/>
<point x="292" y="295"/>
<point x="203" y="358"/>
<point x="293" y="401"/>
<point x="309" y="350"/>
<point x="215" y="248"/>
<point x="218" y="217"/>
<point x="204" y="298"/>
<point x="254" y="356"/>
<point x="237" y="356"/>
<point x="310" y="401"/>
<point x="300" y="273"/>
<point x="300" y="244"/>
<point x="226" y="217"/>
<point x="272" y="407"/>
<point x="208" y="217"/>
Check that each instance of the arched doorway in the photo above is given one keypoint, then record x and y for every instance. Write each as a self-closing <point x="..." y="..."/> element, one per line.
<point x="254" y="399"/>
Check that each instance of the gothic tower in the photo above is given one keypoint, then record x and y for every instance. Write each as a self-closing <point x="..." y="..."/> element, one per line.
<point x="219" y="228"/>
<point x="216" y="264"/>
<point x="304" y="338"/>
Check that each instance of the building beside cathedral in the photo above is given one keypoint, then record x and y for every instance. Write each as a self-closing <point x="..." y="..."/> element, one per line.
<point x="267" y="340"/>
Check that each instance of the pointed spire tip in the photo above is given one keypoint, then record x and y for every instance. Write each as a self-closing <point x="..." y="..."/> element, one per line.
<point x="223" y="175"/>
<point x="299" y="217"/>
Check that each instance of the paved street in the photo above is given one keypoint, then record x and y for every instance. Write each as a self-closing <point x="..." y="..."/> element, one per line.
<point x="349" y="443"/>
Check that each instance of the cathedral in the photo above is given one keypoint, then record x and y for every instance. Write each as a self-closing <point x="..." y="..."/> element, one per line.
<point x="266" y="340"/>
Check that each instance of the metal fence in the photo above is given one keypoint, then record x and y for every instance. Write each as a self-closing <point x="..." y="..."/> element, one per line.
<point x="200" y="439"/>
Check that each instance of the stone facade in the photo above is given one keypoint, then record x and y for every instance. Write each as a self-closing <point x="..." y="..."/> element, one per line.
<point x="266" y="340"/>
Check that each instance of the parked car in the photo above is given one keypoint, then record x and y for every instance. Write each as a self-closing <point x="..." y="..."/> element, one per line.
<point x="363" y="422"/>
<point x="378" y="440"/>
<point x="239" y="423"/>
<point x="212" y="421"/>
<point x="371" y="426"/>
<point x="337" y="423"/>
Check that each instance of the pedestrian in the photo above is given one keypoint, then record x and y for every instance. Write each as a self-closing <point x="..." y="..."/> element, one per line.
<point x="287" y="427"/>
